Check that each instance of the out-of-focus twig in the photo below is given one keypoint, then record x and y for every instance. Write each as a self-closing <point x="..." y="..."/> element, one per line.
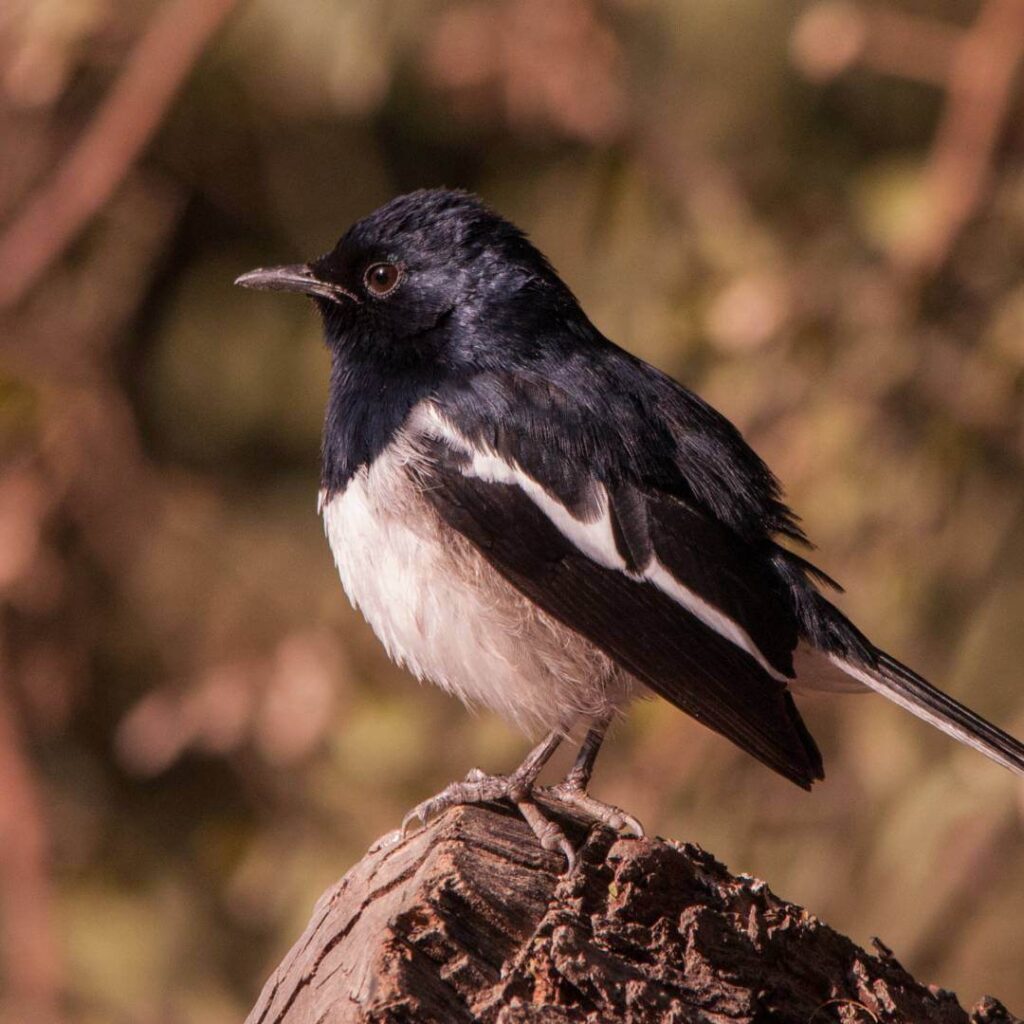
<point x="980" y="91"/>
<point x="72" y="340"/>
<point x="91" y="448"/>
<point x="31" y="957"/>
<point x="976" y="67"/>
<point x="834" y="35"/>
<point x="97" y="164"/>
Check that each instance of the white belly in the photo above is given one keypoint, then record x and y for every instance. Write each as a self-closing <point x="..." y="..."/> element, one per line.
<point x="442" y="611"/>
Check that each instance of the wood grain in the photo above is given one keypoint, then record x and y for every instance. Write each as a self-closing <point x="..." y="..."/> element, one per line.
<point x="469" y="920"/>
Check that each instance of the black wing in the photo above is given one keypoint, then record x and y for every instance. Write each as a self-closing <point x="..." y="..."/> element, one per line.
<point x="643" y="627"/>
<point x="580" y="417"/>
<point x="678" y="477"/>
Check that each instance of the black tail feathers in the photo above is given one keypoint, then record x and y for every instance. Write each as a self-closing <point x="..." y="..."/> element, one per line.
<point x="905" y="687"/>
<point x="831" y="633"/>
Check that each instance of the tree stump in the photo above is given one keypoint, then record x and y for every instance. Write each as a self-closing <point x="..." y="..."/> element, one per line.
<point x="470" y="920"/>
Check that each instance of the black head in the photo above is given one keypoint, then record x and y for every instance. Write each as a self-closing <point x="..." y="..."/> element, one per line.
<point x="423" y="294"/>
<point x="412" y="265"/>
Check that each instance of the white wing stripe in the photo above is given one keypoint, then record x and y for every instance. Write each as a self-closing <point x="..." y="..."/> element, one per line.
<point x="593" y="537"/>
<point x="708" y="614"/>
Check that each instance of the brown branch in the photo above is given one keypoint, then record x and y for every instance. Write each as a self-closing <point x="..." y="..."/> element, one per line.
<point x="977" y="67"/>
<point x="470" y="920"/>
<point x="833" y="36"/>
<point x="982" y="77"/>
<point x="112" y="142"/>
<point x="31" y="958"/>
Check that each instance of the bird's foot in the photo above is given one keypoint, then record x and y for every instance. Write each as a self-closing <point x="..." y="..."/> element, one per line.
<point x="575" y="796"/>
<point x="477" y="787"/>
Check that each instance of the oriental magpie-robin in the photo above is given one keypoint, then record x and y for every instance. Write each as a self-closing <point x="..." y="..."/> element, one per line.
<point x="542" y="523"/>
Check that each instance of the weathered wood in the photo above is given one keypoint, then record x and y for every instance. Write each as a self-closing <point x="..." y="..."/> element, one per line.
<point x="469" y="920"/>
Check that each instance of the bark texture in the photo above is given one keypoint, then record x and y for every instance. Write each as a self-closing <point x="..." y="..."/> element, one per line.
<point x="469" y="920"/>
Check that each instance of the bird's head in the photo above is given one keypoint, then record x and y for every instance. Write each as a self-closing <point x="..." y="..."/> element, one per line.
<point x="413" y="265"/>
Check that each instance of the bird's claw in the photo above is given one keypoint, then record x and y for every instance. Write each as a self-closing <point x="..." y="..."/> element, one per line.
<point x="475" y="788"/>
<point x="478" y="787"/>
<point x="549" y="833"/>
<point x="607" y="814"/>
<point x="386" y="841"/>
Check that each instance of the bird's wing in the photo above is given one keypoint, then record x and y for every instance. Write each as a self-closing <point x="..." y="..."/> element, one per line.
<point x="671" y="594"/>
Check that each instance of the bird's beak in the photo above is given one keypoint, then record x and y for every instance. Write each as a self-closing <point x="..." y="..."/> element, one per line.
<point x="298" y="277"/>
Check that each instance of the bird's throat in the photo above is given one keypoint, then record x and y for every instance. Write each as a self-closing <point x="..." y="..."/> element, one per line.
<point x="368" y="401"/>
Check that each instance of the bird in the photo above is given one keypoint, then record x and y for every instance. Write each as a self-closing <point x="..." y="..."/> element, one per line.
<point x="543" y="524"/>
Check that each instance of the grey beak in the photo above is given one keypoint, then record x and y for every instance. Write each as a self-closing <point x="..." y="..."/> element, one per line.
<point x="298" y="277"/>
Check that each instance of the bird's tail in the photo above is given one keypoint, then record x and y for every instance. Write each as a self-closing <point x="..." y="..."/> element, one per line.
<point x="905" y="687"/>
<point x="831" y="636"/>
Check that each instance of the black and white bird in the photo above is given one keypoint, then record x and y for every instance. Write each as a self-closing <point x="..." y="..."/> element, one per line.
<point x="543" y="524"/>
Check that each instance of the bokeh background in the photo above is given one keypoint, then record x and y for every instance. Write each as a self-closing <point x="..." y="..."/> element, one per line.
<point x="812" y="212"/>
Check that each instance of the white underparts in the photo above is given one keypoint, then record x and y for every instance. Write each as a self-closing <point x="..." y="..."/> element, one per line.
<point x="441" y="610"/>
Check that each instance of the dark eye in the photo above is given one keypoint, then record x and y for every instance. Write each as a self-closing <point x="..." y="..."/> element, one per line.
<point x="382" y="278"/>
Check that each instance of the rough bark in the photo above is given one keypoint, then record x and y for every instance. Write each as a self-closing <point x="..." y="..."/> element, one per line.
<point x="469" y="920"/>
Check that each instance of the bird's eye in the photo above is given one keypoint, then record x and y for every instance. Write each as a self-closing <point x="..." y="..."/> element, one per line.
<point x="382" y="278"/>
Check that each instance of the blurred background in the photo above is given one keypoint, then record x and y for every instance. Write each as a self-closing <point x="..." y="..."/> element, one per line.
<point x="812" y="212"/>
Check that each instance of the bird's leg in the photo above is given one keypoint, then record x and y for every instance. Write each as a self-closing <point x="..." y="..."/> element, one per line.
<point x="573" y="790"/>
<point x="477" y="787"/>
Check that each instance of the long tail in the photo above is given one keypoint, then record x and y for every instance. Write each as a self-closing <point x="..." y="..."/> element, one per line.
<point x="832" y="636"/>
<point x="905" y="687"/>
